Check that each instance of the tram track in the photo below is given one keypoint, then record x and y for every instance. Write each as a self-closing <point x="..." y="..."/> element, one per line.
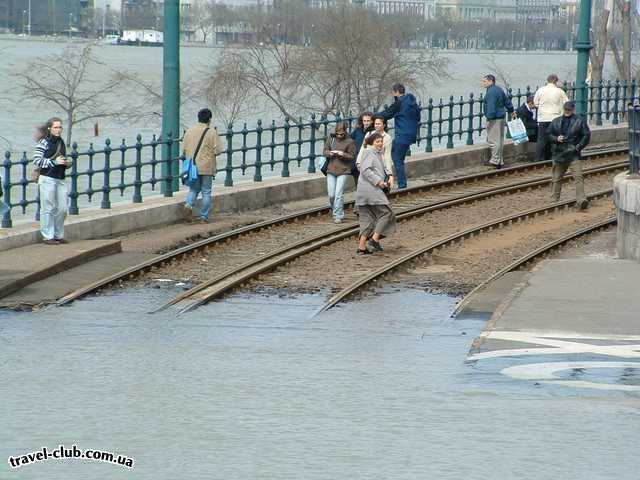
<point x="461" y="236"/>
<point x="242" y="274"/>
<point x="534" y="255"/>
<point x="442" y="194"/>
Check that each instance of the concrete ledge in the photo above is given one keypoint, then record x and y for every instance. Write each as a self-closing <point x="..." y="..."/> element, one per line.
<point x="626" y="196"/>
<point x="37" y="262"/>
<point x="158" y="211"/>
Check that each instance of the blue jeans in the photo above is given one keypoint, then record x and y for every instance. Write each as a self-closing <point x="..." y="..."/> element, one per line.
<point x="335" y="189"/>
<point x="204" y="185"/>
<point x="53" y="207"/>
<point x="398" y="154"/>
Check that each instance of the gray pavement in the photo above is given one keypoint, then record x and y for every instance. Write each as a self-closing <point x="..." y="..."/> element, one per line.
<point x="579" y="315"/>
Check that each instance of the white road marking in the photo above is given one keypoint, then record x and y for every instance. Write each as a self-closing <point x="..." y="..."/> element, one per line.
<point x="558" y="346"/>
<point x="545" y="373"/>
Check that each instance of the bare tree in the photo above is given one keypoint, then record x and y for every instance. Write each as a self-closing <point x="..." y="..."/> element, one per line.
<point x="149" y="98"/>
<point x="66" y="81"/>
<point x="201" y="19"/>
<point x="228" y="95"/>
<point x="502" y="77"/>
<point x="600" y="40"/>
<point x="623" y="61"/>
<point x="349" y="66"/>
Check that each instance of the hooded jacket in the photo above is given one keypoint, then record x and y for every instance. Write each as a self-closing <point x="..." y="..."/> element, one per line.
<point x="406" y="117"/>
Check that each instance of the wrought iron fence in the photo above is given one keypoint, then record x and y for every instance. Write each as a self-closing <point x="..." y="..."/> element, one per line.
<point x="291" y="146"/>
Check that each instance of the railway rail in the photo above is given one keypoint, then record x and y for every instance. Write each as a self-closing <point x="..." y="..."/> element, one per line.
<point x="442" y="194"/>
<point x="460" y="237"/>
<point x="532" y="256"/>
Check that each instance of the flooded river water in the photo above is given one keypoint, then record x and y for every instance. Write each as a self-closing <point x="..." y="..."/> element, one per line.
<point x="255" y="387"/>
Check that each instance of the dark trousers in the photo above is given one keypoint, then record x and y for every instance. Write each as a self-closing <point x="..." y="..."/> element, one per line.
<point x="543" y="146"/>
<point x="398" y="154"/>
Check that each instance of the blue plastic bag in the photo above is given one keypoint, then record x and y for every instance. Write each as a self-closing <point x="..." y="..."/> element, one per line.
<point x="189" y="173"/>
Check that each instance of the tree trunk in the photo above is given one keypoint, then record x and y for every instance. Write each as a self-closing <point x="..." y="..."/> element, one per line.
<point x="599" y="51"/>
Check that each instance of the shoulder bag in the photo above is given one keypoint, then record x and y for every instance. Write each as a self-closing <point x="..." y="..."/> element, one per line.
<point x="189" y="174"/>
<point x="325" y="165"/>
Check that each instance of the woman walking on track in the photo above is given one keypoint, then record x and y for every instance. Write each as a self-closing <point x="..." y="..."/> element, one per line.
<point x="380" y="126"/>
<point x="377" y="220"/>
<point x="50" y="163"/>
<point x="340" y="150"/>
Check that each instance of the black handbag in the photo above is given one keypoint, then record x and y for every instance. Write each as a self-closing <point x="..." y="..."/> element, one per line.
<point x="325" y="166"/>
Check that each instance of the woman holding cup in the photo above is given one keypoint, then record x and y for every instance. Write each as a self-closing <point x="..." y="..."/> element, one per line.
<point x="50" y="161"/>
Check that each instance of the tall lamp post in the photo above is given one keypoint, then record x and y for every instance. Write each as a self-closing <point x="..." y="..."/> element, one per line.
<point x="583" y="45"/>
<point x="171" y="93"/>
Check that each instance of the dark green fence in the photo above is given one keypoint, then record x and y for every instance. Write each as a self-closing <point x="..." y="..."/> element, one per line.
<point x="264" y="150"/>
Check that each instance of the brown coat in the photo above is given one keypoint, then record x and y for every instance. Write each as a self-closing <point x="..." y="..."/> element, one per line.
<point x="211" y="146"/>
<point x="340" y="165"/>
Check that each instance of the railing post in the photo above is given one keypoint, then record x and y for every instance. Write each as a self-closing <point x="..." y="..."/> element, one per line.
<point x="228" y="180"/>
<point x="450" y="124"/>
<point x="6" y="188"/>
<point x="73" y="193"/>
<point x="257" y="176"/>
<point x="312" y="145"/>
<point x="137" y="183"/>
<point x="106" y="188"/>
<point x="599" y="104"/>
<point x="470" y="129"/>
<point x="168" y="180"/>
<point x="429" y="147"/>
<point x="285" y="157"/>
<point x="616" y="99"/>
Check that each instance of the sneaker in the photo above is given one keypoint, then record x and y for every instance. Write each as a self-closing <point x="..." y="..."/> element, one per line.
<point x="364" y="252"/>
<point x="52" y="241"/>
<point x="187" y="213"/>
<point x="337" y="220"/>
<point x="583" y="204"/>
<point x="375" y="245"/>
<point x="61" y="240"/>
<point x="203" y="220"/>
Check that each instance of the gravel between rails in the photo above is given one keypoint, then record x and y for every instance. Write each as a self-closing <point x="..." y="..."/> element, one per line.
<point x="218" y="258"/>
<point x="336" y="266"/>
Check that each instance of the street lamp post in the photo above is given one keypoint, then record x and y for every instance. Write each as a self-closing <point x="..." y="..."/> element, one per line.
<point x="478" y="40"/>
<point x="513" y="39"/>
<point x="29" y="17"/>
<point x="583" y="45"/>
<point x="171" y="93"/>
<point x="24" y="21"/>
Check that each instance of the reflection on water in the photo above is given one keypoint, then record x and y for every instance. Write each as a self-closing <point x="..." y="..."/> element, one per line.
<point x="252" y="387"/>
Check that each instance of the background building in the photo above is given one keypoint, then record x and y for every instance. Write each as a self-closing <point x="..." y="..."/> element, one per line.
<point x="47" y="16"/>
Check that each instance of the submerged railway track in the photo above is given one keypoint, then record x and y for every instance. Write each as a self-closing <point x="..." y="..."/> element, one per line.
<point x="313" y="232"/>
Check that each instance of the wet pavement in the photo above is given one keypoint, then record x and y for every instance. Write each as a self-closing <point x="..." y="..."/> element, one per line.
<point x="255" y="387"/>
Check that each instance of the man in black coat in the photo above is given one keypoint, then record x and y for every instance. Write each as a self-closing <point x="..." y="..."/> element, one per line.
<point x="568" y="135"/>
<point x="527" y="113"/>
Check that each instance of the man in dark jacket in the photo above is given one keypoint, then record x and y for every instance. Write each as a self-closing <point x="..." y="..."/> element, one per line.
<point x="568" y="135"/>
<point x="527" y="113"/>
<point x="496" y="105"/>
<point x="406" y="119"/>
